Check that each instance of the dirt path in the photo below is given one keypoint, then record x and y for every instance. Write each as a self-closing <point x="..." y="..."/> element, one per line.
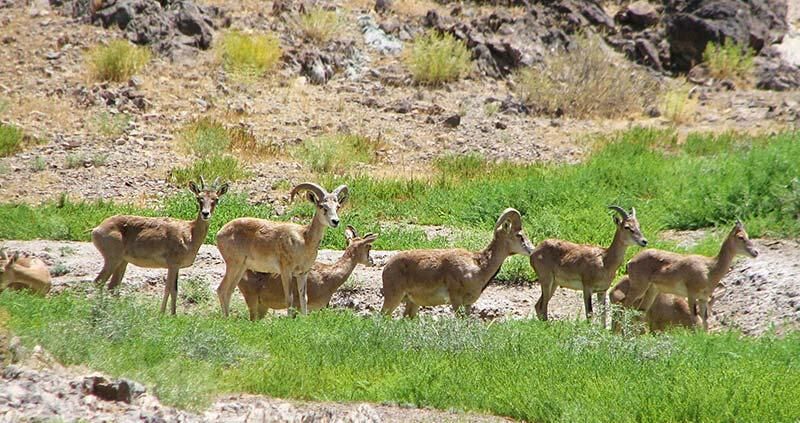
<point x="759" y="293"/>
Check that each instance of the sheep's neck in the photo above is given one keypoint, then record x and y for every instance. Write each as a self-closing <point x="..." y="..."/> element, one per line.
<point x="615" y="254"/>
<point x="490" y="260"/>
<point x="199" y="230"/>
<point x="312" y="234"/>
<point x="339" y="272"/>
<point x="722" y="262"/>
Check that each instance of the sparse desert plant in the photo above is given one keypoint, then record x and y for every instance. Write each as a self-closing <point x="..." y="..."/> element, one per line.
<point x="196" y="291"/>
<point x="586" y="81"/>
<point x="74" y="161"/>
<point x="729" y="60"/>
<point x="435" y="59"/>
<point x="59" y="269"/>
<point x="117" y="61"/>
<point x="319" y="24"/>
<point x="38" y="164"/>
<point x="336" y="152"/>
<point x="677" y="105"/>
<point x="111" y="125"/>
<point x="249" y="55"/>
<point x="11" y="139"/>
<point x="226" y="167"/>
<point x="491" y="109"/>
<point x="206" y="137"/>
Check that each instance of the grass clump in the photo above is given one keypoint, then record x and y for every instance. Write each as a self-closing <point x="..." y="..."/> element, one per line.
<point x="227" y="168"/>
<point x="11" y="139"/>
<point x="729" y="60"/>
<point x="336" y="152"/>
<point x="465" y="166"/>
<point x="249" y="55"/>
<point x="435" y="59"/>
<point x="677" y="106"/>
<point x="586" y="81"/>
<point x="111" y="125"/>
<point x="319" y="25"/>
<point x="206" y="137"/>
<point x="117" y="61"/>
<point x="537" y="373"/>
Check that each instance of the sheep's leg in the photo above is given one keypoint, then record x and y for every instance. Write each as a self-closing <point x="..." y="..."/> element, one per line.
<point x="171" y="274"/>
<point x="233" y="274"/>
<point x="587" y="300"/>
<point x="119" y="273"/>
<point x="547" y="282"/>
<point x="602" y="299"/>
<point x="173" y="288"/>
<point x="288" y="292"/>
<point x="109" y="266"/>
<point x="411" y="309"/>
<point x="301" y="290"/>
<point x="704" y="313"/>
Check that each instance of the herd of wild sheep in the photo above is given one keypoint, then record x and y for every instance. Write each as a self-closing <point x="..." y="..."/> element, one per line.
<point x="273" y="263"/>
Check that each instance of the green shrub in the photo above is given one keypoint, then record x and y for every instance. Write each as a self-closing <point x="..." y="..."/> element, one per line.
<point x="11" y="139"/>
<point x="249" y="55"/>
<point x="117" y="61"/>
<point x="729" y="60"/>
<point x="435" y="59"/>
<point x="336" y="152"/>
<point x="464" y="166"/>
<point x="227" y="168"/>
<point x="111" y="125"/>
<point x="319" y="25"/>
<point x="676" y="105"/>
<point x="587" y="81"/>
<point x="206" y="137"/>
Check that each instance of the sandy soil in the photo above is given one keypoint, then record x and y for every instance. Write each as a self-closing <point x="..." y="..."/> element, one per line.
<point x="759" y="293"/>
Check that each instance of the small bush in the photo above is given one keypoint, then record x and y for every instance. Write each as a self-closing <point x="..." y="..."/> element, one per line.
<point x="435" y="59"/>
<point x="676" y="105"/>
<point x="207" y="137"/>
<point x="319" y="25"/>
<point x="111" y="125"/>
<point x="11" y="139"/>
<point x="195" y="291"/>
<point x="38" y="164"/>
<point x="586" y="81"/>
<point x="729" y="60"/>
<point x="336" y="153"/>
<point x="117" y="61"/>
<point x="249" y="55"/>
<point x="74" y="161"/>
<point x="227" y="168"/>
<point x="464" y="166"/>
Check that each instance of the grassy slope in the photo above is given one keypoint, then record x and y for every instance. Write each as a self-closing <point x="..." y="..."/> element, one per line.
<point x="555" y="371"/>
<point x="706" y="181"/>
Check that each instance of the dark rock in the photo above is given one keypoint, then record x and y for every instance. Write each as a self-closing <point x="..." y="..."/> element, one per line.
<point x="579" y="13"/>
<point x="776" y="74"/>
<point x="500" y="125"/>
<point x="106" y="390"/>
<point x="699" y="22"/>
<point x="317" y="67"/>
<point x="647" y="54"/>
<point x="638" y="15"/>
<point x="382" y="6"/>
<point x="452" y="121"/>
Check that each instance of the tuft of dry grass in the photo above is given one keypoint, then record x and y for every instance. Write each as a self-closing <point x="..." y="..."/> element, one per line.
<point x="117" y="61"/>
<point x="587" y="81"/>
<point x="11" y="139"/>
<point x="435" y="59"/>
<point x="319" y="25"/>
<point x="249" y="55"/>
<point x="729" y="61"/>
<point x="676" y="104"/>
<point x="336" y="152"/>
<point x="206" y="137"/>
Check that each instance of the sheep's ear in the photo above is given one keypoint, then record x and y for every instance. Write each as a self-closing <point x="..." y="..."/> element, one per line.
<point x="350" y="233"/>
<point x="616" y="219"/>
<point x="370" y="237"/>
<point x="312" y="198"/>
<point x="342" y="194"/>
<point x="223" y="189"/>
<point x="194" y="188"/>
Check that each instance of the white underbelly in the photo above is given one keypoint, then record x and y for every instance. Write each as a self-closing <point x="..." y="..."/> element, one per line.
<point x="571" y="284"/>
<point x="434" y="298"/>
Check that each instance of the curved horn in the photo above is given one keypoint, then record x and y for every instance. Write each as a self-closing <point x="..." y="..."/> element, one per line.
<point x="619" y="210"/>
<point x="509" y="213"/>
<point x="308" y="186"/>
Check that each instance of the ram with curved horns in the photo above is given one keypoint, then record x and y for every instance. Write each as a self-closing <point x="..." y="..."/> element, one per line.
<point x="586" y="268"/>
<point x="454" y="276"/>
<point x="283" y="248"/>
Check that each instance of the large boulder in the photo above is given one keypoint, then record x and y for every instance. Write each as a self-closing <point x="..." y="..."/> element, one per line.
<point x="754" y="23"/>
<point x="639" y="15"/>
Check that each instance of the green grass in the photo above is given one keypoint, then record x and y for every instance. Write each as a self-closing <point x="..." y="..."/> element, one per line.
<point x="729" y="60"/>
<point x="111" y="125"/>
<point x="117" y="61"/>
<point x="249" y="56"/>
<point x="435" y="59"/>
<point x="708" y="181"/>
<point x="11" y="139"/>
<point x="226" y="168"/>
<point x="336" y="152"/>
<point x="537" y="371"/>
